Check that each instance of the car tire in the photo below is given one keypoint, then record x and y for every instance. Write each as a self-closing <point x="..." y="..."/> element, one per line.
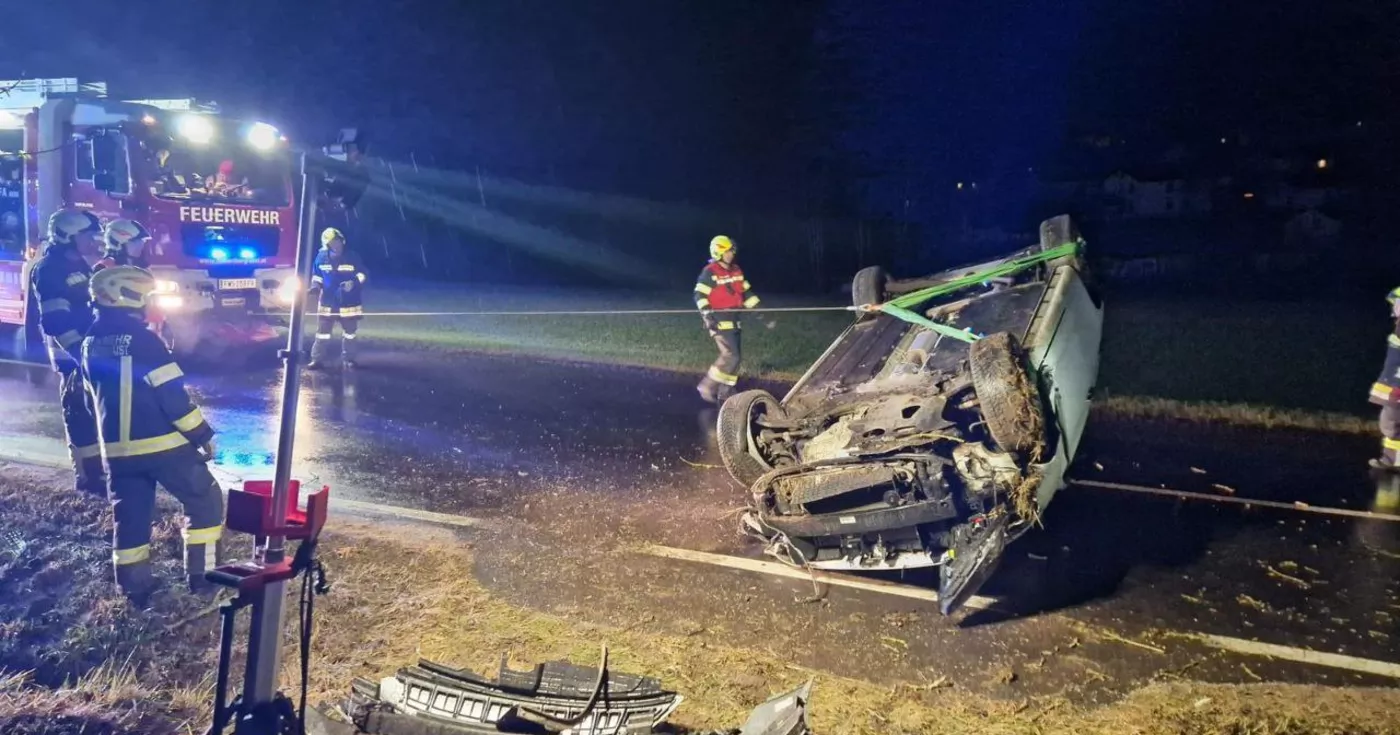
<point x="1008" y="395"/>
<point x="870" y="286"/>
<point x="734" y="434"/>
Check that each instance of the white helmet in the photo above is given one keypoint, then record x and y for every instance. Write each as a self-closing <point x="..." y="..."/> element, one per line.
<point x="67" y="224"/>
<point x="122" y="287"/>
<point x="127" y="235"/>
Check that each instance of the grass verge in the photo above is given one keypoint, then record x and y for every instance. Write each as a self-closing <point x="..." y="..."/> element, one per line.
<point x="400" y="596"/>
<point x="1268" y="365"/>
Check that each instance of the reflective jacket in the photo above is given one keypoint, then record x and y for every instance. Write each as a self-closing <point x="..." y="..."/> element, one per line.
<point x="58" y="287"/>
<point x="138" y="392"/>
<point x="723" y="288"/>
<point x="329" y="273"/>
<point x="1383" y="390"/>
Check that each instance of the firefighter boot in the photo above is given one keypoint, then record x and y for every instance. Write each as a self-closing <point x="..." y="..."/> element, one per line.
<point x="707" y="389"/>
<point x="204" y="550"/>
<point x="347" y="350"/>
<point x="135" y="579"/>
<point x="318" y="351"/>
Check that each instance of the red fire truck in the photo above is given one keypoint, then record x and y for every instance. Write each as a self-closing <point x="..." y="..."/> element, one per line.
<point x="215" y="193"/>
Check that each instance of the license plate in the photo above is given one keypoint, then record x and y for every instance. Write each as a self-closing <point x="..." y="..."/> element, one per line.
<point x="233" y="302"/>
<point x="237" y="284"/>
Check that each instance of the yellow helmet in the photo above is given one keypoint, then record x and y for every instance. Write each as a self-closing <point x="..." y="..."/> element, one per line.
<point x="122" y="287"/>
<point x="720" y="245"/>
<point x="330" y="233"/>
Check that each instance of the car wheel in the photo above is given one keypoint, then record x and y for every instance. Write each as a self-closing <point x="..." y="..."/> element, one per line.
<point x="870" y="286"/>
<point x="737" y="425"/>
<point x="1007" y="393"/>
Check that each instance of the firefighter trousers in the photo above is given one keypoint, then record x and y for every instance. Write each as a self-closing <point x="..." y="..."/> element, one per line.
<point x="325" y="329"/>
<point x="80" y="426"/>
<point x="1390" y="433"/>
<point x="719" y="381"/>
<point x="184" y="474"/>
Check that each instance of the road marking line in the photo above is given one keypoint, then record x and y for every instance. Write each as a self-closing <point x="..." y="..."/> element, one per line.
<point x="339" y="506"/>
<point x="1302" y="655"/>
<point x="835" y="579"/>
<point x="362" y="507"/>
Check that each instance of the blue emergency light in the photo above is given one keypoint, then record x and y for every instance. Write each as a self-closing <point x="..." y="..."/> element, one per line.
<point x="219" y="254"/>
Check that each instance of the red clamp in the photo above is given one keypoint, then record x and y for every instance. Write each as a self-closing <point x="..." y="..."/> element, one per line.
<point x="250" y="512"/>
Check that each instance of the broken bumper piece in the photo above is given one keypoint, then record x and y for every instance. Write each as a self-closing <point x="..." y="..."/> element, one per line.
<point x="432" y="699"/>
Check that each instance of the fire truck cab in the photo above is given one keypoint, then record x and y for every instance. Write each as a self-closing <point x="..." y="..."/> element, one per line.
<point x="216" y="194"/>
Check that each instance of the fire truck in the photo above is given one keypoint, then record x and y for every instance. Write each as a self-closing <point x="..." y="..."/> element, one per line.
<point x="215" y="193"/>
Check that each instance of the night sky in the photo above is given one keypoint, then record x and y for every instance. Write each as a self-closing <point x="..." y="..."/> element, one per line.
<point x="870" y="108"/>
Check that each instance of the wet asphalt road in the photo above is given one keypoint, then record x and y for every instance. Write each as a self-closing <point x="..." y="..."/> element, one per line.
<point x="558" y="443"/>
<point x="448" y="433"/>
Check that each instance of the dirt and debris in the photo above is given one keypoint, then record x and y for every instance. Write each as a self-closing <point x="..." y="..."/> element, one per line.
<point x="403" y="595"/>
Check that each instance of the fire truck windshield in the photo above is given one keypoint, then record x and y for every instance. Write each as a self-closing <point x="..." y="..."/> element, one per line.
<point x="224" y="170"/>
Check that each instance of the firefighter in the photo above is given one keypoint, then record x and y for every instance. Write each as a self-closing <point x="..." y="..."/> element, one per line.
<point x="151" y="434"/>
<point x="124" y="243"/>
<point x="339" y="277"/>
<point x="58" y="283"/>
<point x="1385" y="392"/>
<point x="720" y="291"/>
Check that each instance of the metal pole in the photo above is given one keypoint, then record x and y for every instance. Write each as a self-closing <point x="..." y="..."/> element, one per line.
<point x="265" y="635"/>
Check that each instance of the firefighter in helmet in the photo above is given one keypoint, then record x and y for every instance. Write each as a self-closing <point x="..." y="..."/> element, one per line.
<point x="152" y="433"/>
<point x="1385" y="392"/>
<point x="124" y="243"/>
<point x="58" y="288"/>
<point x="720" y="292"/>
<point x="338" y="276"/>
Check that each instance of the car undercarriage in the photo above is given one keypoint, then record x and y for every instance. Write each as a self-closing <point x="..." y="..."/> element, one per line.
<point x="906" y="446"/>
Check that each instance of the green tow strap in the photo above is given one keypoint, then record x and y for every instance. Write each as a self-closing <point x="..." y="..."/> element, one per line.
<point x="899" y="308"/>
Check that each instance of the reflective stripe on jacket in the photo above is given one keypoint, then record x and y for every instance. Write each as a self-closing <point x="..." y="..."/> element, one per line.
<point x="723" y="288"/>
<point x="329" y="273"/>
<point x="138" y="391"/>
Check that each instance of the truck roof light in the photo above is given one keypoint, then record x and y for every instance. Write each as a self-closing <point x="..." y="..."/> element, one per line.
<point x="263" y="136"/>
<point x="197" y="129"/>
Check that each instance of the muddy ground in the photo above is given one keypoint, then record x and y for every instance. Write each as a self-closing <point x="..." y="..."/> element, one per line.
<point x="724" y="639"/>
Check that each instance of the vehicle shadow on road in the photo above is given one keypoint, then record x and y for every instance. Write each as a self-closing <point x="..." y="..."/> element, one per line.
<point x="1088" y="545"/>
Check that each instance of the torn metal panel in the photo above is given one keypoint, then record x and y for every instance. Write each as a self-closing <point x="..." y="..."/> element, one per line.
<point x="785" y="714"/>
<point x="432" y="699"/>
<point x="628" y="705"/>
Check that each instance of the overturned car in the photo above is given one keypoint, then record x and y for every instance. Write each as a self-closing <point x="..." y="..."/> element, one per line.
<point x="937" y="427"/>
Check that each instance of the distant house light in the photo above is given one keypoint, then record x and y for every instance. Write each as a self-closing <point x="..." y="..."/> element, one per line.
<point x="960" y="184"/>
<point x="1322" y="163"/>
<point x="1223" y="141"/>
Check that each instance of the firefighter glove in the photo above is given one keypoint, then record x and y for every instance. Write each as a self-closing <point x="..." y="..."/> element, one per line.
<point x="206" y="452"/>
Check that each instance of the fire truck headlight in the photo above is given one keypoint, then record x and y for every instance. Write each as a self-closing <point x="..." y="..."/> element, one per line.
<point x="263" y="136"/>
<point x="197" y="129"/>
<point x="287" y="292"/>
<point x="168" y="302"/>
<point x="164" y="287"/>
